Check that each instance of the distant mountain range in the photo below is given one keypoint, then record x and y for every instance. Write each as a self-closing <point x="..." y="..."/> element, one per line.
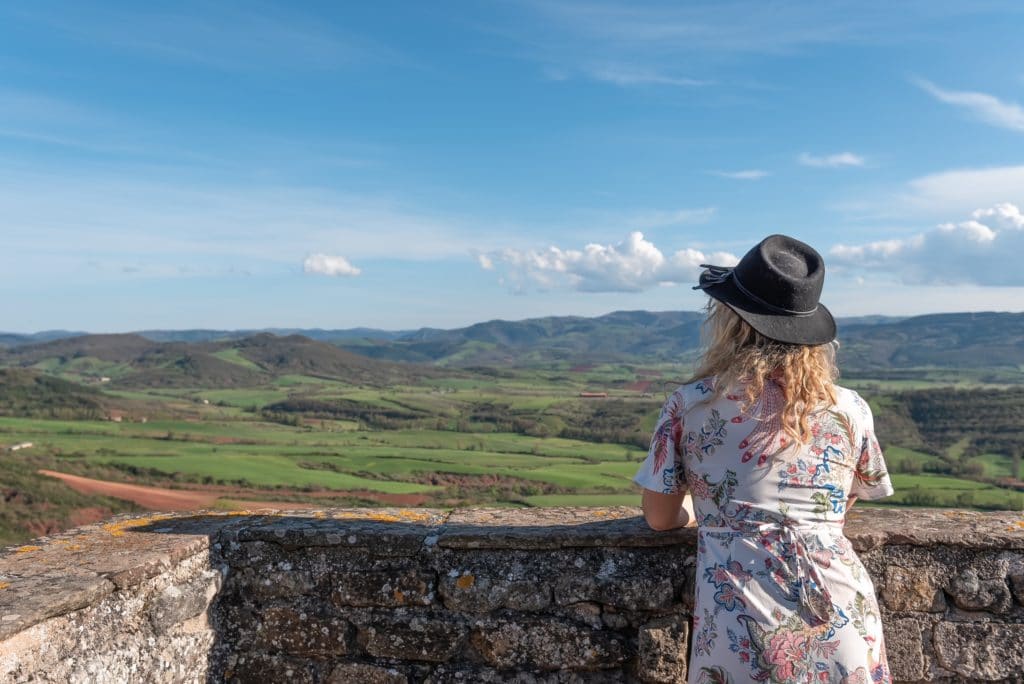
<point x="236" y="358"/>
<point x="132" y="361"/>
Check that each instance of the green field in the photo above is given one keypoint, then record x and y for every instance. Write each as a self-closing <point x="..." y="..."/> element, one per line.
<point x="522" y="438"/>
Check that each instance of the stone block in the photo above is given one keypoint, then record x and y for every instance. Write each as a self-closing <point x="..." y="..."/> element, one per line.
<point x="363" y="673"/>
<point x="385" y="588"/>
<point x="260" y="668"/>
<point x="980" y="650"/>
<point x="473" y="592"/>
<point x="971" y="592"/>
<point x="904" y="646"/>
<point x="411" y="637"/>
<point x="271" y="584"/>
<point x="546" y="644"/>
<point x="1017" y="586"/>
<point x="470" y="674"/>
<point x="912" y="589"/>
<point x="178" y="603"/>
<point x="662" y="650"/>
<point x="295" y="632"/>
<point x="629" y="579"/>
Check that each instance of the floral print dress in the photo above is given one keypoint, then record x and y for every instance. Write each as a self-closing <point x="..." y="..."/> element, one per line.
<point x="780" y="594"/>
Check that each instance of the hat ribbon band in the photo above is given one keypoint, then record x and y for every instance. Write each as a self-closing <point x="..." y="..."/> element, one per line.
<point x="720" y="274"/>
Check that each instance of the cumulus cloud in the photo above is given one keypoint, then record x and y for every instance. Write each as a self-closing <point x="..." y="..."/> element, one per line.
<point x="323" y="264"/>
<point x="983" y="250"/>
<point x="746" y="174"/>
<point x="831" y="161"/>
<point x="983" y="106"/>
<point x="632" y="265"/>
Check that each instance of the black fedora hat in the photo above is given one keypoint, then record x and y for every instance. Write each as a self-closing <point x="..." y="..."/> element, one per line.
<point x="775" y="288"/>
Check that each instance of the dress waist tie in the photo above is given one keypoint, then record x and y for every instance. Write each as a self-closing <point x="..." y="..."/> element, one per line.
<point x="794" y="554"/>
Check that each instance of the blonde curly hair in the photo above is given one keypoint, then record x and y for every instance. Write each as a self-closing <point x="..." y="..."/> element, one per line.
<point x="739" y="357"/>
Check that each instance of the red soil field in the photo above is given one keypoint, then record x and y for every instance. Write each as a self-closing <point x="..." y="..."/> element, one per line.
<point x="165" y="499"/>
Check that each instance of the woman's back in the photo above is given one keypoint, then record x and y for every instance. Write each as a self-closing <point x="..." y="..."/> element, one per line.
<point x="742" y="465"/>
<point x="780" y="593"/>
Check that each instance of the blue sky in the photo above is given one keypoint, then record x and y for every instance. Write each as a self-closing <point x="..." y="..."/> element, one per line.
<point x="400" y="164"/>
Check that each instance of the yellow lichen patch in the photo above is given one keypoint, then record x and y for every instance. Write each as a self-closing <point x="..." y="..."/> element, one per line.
<point x="1020" y="523"/>
<point x="4" y="585"/>
<point x="319" y="514"/>
<point x="418" y="516"/>
<point x="399" y="596"/>
<point x="366" y="515"/>
<point x="465" y="582"/>
<point x="27" y="549"/>
<point x="117" y="529"/>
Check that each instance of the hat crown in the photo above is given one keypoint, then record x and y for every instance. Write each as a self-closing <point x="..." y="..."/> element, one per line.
<point x="782" y="273"/>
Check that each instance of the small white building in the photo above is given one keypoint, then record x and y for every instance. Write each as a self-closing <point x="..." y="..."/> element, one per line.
<point x="20" y="446"/>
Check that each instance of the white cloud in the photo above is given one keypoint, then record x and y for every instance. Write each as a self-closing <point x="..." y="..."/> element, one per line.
<point x="626" y="76"/>
<point x="988" y="108"/>
<point x="984" y="250"/>
<point x="324" y="264"/>
<point x="746" y="174"/>
<point x="485" y="262"/>
<point x="959" y="190"/>
<point x="831" y="161"/>
<point x="632" y="265"/>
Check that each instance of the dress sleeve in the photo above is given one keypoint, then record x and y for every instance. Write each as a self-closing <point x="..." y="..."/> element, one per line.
<point x="662" y="470"/>
<point x="871" y="476"/>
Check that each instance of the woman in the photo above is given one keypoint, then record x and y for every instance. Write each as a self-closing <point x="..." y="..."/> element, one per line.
<point x="773" y="454"/>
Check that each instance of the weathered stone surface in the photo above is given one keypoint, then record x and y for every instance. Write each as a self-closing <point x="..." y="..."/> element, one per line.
<point x="468" y="674"/>
<point x="406" y="587"/>
<point x="546" y="644"/>
<point x="905" y="648"/>
<point x="362" y="673"/>
<point x="479" y="593"/>
<point x="298" y="633"/>
<point x="912" y="589"/>
<point x="270" y="584"/>
<point x="554" y="596"/>
<point x="662" y="650"/>
<point x="554" y="528"/>
<point x="871" y="528"/>
<point x="980" y="650"/>
<point x="114" y="639"/>
<point x="622" y="578"/>
<point x="28" y="600"/>
<point x="177" y="603"/>
<point x="971" y="592"/>
<point x="260" y="668"/>
<point x="1017" y="586"/>
<point x="411" y="636"/>
<point x="386" y="532"/>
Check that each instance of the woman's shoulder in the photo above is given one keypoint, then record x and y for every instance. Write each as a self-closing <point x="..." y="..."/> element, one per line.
<point x="854" y="405"/>
<point x="691" y="396"/>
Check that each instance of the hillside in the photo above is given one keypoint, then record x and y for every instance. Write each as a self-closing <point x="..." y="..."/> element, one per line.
<point x="29" y="393"/>
<point x="131" y="361"/>
<point x="868" y="344"/>
<point x="966" y="340"/>
<point x="878" y="346"/>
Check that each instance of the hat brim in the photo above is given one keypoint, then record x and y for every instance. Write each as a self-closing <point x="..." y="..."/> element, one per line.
<point x="816" y="328"/>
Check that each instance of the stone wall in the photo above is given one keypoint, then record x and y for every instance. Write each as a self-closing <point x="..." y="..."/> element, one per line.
<point x="483" y="595"/>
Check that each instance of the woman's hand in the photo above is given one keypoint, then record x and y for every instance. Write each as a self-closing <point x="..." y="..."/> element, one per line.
<point x="668" y="511"/>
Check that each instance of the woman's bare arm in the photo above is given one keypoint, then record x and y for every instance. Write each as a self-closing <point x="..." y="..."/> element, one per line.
<point x="668" y="511"/>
